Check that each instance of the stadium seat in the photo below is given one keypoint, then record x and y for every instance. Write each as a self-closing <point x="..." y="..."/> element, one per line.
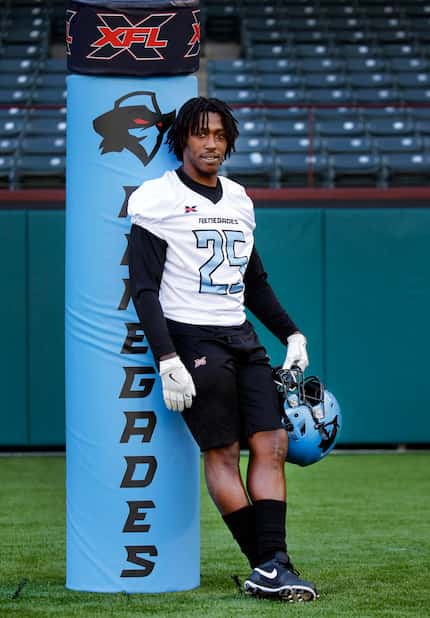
<point x="279" y="80"/>
<point x="49" y="96"/>
<point x="273" y="96"/>
<point x="361" y="51"/>
<point x="268" y="51"/>
<point x="328" y="95"/>
<point x="252" y="144"/>
<point x="340" y="127"/>
<point x="11" y="127"/>
<point x="234" y="95"/>
<point x="251" y="114"/>
<point x="389" y="112"/>
<point x="369" y="79"/>
<point x="300" y="169"/>
<point x="409" y="64"/>
<point x="282" y="145"/>
<point x="415" y="95"/>
<point x="388" y="126"/>
<point x="232" y="80"/>
<point x="43" y="145"/>
<point x="360" y="145"/>
<point x="287" y="113"/>
<point x="325" y="64"/>
<point x="18" y="66"/>
<point x="6" y="166"/>
<point x="51" y="80"/>
<point x="419" y="113"/>
<point x="376" y="95"/>
<point x="254" y="169"/>
<point x="40" y="171"/>
<point x="16" y="35"/>
<point x="314" y="51"/>
<point x="407" y="169"/>
<point x="344" y="113"/>
<point x="9" y="96"/>
<point x="8" y="146"/>
<point x="362" y="64"/>
<point x="265" y="36"/>
<point x="324" y="80"/>
<point x="287" y="127"/>
<point x="24" y="51"/>
<point x="277" y="65"/>
<point x="394" y="50"/>
<point x="230" y="66"/>
<point x="355" y="170"/>
<point x="416" y="79"/>
<point x="394" y="143"/>
<point x="16" y="81"/>
<point x="252" y="128"/>
<point x="45" y="126"/>
<point x="53" y="65"/>
<point x="423" y="126"/>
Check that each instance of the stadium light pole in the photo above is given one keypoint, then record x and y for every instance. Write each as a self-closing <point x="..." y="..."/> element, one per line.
<point x="132" y="466"/>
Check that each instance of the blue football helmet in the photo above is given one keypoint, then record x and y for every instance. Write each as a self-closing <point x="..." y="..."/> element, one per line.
<point x="311" y="415"/>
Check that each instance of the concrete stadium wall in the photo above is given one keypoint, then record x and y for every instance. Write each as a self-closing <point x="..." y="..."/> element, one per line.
<point x="351" y="269"/>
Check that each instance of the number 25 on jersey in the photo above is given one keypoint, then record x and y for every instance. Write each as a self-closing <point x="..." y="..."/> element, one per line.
<point x="223" y="243"/>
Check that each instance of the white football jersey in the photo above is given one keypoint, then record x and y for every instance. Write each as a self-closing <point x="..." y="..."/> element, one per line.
<point x="208" y="247"/>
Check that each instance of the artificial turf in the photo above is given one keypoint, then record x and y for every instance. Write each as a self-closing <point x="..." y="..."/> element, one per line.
<point x="358" y="526"/>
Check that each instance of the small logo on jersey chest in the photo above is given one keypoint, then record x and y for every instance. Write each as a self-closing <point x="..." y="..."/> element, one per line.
<point x="189" y="209"/>
<point x="199" y="362"/>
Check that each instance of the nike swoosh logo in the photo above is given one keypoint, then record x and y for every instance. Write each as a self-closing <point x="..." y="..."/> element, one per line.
<point x="172" y="377"/>
<point x="271" y="575"/>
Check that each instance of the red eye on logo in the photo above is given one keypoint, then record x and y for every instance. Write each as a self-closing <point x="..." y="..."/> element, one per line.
<point x="140" y="121"/>
<point x="159" y="124"/>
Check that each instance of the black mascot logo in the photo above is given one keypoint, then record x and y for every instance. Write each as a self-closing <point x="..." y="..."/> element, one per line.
<point x="116" y="126"/>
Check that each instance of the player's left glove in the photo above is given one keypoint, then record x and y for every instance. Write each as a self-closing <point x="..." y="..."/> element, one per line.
<point x="296" y="352"/>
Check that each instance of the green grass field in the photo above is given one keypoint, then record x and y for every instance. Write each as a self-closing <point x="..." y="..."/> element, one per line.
<point x="358" y="525"/>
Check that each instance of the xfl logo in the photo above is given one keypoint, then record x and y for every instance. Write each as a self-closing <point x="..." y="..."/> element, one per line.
<point x="141" y="40"/>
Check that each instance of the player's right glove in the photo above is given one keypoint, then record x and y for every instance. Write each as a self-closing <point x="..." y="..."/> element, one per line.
<point x="296" y="352"/>
<point x="178" y="385"/>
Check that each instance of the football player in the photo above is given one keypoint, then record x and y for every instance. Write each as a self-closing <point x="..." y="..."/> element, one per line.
<point x="193" y="270"/>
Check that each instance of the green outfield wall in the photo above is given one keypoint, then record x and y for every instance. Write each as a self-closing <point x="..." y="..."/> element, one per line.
<point x="354" y="272"/>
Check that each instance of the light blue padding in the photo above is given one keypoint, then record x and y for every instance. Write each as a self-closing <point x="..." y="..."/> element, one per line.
<point x="96" y="244"/>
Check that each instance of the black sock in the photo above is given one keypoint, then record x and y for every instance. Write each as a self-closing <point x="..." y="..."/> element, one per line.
<point x="241" y="524"/>
<point x="270" y="529"/>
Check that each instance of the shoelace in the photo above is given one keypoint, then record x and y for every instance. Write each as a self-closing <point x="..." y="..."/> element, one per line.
<point x="290" y="567"/>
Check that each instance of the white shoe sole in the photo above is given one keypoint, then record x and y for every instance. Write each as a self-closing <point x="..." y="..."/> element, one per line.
<point x="292" y="594"/>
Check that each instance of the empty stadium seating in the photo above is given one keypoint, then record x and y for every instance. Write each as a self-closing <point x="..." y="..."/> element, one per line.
<point x="326" y="93"/>
<point x="32" y="94"/>
<point x="342" y="89"/>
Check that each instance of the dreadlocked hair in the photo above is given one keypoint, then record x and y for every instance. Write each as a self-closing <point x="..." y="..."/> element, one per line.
<point x="193" y="115"/>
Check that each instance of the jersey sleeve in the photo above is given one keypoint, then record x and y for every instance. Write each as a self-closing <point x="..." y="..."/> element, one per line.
<point x="147" y="254"/>
<point x="261" y="300"/>
<point x="148" y="206"/>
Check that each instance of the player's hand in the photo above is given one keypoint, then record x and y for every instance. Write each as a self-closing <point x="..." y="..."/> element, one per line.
<point x="178" y="385"/>
<point x="296" y="352"/>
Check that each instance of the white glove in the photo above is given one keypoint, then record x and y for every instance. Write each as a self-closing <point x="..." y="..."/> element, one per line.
<point x="178" y="385"/>
<point x="296" y="352"/>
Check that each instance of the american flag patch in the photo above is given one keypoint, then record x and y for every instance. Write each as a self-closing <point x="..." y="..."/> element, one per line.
<point x="190" y="208"/>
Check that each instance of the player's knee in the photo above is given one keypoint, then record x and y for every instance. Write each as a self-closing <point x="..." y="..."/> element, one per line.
<point x="225" y="458"/>
<point x="270" y="446"/>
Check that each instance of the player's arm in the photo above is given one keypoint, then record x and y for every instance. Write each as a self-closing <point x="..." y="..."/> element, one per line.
<point x="147" y="255"/>
<point x="262" y="301"/>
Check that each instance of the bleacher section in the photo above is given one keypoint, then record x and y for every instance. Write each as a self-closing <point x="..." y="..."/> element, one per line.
<point x="328" y="93"/>
<point x="335" y="93"/>
<point x="32" y="94"/>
